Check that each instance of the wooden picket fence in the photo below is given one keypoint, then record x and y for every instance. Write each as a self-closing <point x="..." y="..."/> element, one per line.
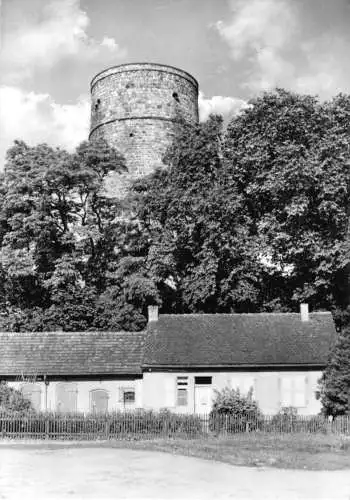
<point x="152" y="425"/>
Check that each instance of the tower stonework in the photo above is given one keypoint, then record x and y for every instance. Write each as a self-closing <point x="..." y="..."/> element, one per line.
<point x="136" y="108"/>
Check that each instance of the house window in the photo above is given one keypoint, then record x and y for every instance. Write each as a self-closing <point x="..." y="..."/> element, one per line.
<point x="182" y="391"/>
<point x="129" y="397"/>
<point x="293" y="391"/>
<point x="202" y="380"/>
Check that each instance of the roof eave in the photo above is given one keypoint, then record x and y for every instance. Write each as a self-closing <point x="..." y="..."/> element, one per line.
<point x="266" y="366"/>
<point x="41" y="376"/>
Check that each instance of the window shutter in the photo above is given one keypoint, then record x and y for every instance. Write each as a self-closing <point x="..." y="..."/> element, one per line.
<point x="299" y="391"/>
<point x="307" y="397"/>
<point x="287" y="391"/>
<point x="121" y="395"/>
<point x="169" y="390"/>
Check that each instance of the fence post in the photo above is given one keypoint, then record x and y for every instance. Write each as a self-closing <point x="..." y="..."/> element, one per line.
<point x="329" y="424"/>
<point x="107" y="427"/>
<point x="47" y="427"/>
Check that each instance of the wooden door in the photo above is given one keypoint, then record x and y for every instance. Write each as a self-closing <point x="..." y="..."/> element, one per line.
<point x="66" y="397"/>
<point x="202" y="399"/>
<point x="99" y="401"/>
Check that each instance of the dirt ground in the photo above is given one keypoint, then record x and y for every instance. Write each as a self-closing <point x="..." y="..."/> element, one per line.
<point x="101" y="473"/>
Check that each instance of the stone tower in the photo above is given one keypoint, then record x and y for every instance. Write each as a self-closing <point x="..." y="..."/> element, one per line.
<point x="136" y="107"/>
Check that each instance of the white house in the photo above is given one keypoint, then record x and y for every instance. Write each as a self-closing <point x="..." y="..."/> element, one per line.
<point x="176" y="363"/>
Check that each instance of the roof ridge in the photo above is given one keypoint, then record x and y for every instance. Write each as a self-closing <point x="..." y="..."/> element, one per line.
<point x="86" y="333"/>
<point x="244" y="314"/>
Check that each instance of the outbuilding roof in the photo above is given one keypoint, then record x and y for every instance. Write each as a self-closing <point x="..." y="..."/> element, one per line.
<point x="70" y="354"/>
<point x="239" y="340"/>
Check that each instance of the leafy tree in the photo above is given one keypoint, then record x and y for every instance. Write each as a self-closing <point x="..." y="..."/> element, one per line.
<point x="201" y="253"/>
<point x="335" y="382"/>
<point x="72" y="256"/>
<point x="124" y="303"/>
<point x="288" y="156"/>
<point x="59" y="235"/>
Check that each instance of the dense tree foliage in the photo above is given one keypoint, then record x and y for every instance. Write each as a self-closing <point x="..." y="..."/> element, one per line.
<point x="288" y="156"/>
<point x="201" y="249"/>
<point x="255" y="218"/>
<point x="335" y="382"/>
<point x="64" y="243"/>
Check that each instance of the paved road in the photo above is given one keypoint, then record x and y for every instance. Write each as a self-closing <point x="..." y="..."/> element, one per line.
<point x="101" y="473"/>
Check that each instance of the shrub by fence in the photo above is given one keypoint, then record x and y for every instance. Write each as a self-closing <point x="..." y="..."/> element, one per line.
<point x="164" y="424"/>
<point x="278" y="424"/>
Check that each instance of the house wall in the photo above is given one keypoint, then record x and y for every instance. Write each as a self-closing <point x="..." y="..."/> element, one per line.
<point x="157" y="390"/>
<point x="271" y="389"/>
<point x="78" y="395"/>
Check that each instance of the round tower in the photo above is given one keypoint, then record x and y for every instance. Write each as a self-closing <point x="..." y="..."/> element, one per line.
<point x="136" y="108"/>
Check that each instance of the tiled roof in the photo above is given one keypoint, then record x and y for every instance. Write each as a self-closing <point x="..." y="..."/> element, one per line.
<point x="64" y="353"/>
<point x="234" y="340"/>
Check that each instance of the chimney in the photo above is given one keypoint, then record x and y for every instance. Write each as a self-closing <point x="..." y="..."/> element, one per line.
<point x="152" y="313"/>
<point x="304" y="312"/>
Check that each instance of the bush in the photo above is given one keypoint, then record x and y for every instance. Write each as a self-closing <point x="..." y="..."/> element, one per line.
<point x="317" y="424"/>
<point x="234" y="412"/>
<point x="285" y="420"/>
<point x="12" y="400"/>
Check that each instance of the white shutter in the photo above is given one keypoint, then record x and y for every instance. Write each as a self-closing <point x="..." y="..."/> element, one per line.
<point x="287" y="391"/>
<point x="299" y="391"/>
<point x="169" y="392"/>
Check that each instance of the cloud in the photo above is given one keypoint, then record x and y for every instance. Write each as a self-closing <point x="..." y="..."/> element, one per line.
<point x="225" y="106"/>
<point x="110" y="43"/>
<point x="37" y="118"/>
<point x="61" y="33"/>
<point x="258" y="32"/>
<point x="258" y="25"/>
<point x="328" y="66"/>
<point x="276" y="42"/>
